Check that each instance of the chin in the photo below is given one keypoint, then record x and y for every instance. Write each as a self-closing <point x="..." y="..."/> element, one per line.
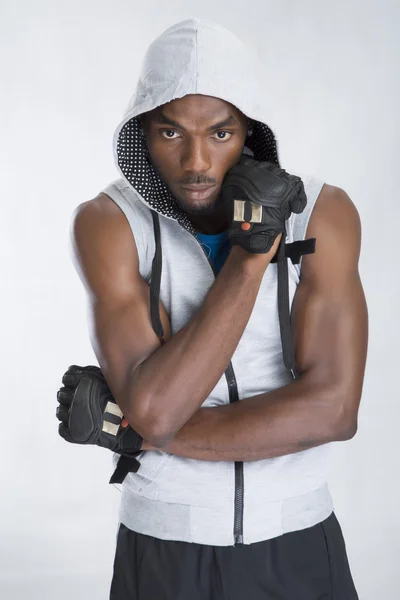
<point x="198" y="207"/>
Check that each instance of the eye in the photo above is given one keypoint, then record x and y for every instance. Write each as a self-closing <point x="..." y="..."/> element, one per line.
<point x="168" y="137"/>
<point x="225" y="134"/>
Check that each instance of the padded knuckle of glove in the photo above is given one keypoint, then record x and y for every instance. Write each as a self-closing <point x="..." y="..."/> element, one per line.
<point x="86" y="412"/>
<point x="90" y="415"/>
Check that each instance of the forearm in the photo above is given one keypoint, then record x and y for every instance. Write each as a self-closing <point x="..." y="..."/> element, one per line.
<point x="174" y="381"/>
<point x="287" y="420"/>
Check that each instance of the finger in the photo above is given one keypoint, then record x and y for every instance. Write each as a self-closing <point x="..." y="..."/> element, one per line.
<point x="124" y="422"/>
<point x="298" y="204"/>
<point x="62" y="414"/>
<point x="65" y="395"/>
<point x="75" y="373"/>
<point x="72" y="376"/>
<point x="64" y="432"/>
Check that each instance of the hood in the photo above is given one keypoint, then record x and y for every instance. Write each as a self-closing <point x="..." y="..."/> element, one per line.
<point x="191" y="57"/>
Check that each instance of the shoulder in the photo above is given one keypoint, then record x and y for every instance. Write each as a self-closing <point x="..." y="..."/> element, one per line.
<point x="335" y="216"/>
<point x="336" y="225"/>
<point x="334" y="208"/>
<point x="116" y="207"/>
<point x="102" y="247"/>
<point x="97" y="216"/>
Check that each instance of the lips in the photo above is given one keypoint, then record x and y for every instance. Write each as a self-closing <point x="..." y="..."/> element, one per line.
<point x="198" y="192"/>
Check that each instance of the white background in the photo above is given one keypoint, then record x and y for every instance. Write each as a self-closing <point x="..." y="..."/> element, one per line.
<point x="68" y="70"/>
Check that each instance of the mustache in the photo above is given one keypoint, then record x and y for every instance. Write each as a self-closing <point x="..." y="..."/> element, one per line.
<point x="197" y="180"/>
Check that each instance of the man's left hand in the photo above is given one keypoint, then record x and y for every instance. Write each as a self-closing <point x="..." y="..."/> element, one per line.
<point x="145" y="445"/>
<point x="90" y="415"/>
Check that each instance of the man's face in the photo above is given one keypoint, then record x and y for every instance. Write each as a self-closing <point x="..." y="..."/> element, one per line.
<point x="193" y="142"/>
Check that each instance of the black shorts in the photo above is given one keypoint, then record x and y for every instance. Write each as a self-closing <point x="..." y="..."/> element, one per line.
<point x="310" y="564"/>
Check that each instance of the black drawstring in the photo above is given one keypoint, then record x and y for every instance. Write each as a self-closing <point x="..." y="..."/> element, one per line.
<point x="156" y="281"/>
<point x="284" y="309"/>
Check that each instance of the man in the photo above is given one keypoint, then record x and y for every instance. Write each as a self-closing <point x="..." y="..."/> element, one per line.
<point x="231" y="495"/>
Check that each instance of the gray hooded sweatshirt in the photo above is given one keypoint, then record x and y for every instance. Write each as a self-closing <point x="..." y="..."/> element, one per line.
<point x="170" y="497"/>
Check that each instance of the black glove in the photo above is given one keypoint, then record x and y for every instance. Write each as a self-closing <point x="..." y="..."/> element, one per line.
<point x="90" y="415"/>
<point x="260" y="197"/>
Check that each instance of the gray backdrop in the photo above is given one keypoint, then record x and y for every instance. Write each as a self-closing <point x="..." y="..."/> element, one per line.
<point x="67" y="72"/>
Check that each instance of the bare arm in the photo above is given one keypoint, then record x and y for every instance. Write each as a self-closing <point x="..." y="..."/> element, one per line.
<point x="330" y="328"/>
<point x="158" y="388"/>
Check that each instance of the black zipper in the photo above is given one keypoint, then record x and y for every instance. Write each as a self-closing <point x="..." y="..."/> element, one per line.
<point x="239" y="477"/>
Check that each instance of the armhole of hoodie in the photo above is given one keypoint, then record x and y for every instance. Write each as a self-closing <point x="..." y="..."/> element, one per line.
<point x="139" y="219"/>
<point x="300" y="222"/>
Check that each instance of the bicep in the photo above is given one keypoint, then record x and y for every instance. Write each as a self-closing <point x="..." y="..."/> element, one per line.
<point x="329" y="312"/>
<point x="106" y="259"/>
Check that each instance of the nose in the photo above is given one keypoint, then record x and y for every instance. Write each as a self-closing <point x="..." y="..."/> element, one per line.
<point x="195" y="156"/>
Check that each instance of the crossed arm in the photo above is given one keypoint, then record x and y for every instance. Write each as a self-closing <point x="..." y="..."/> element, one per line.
<point x="330" y="330"/>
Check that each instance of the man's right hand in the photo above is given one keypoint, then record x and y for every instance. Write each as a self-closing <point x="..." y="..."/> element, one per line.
<point x="260" y="197"/>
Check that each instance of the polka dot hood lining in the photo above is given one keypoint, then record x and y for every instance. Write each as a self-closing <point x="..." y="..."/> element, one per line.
<point x="191" y="57"/>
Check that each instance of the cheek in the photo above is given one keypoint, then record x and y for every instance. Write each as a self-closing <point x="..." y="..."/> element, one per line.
<point x="228" y="156"/>
<point x="165" y="159"/>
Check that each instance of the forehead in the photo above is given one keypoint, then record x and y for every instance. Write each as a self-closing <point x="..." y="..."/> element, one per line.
<point x="197" y="107"/>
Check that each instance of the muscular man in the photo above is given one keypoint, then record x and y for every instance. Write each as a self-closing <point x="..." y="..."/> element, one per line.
<point x="231" y="498"/>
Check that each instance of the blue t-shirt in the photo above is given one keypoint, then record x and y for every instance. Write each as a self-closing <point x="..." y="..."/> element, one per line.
<point x="216" y="246"/>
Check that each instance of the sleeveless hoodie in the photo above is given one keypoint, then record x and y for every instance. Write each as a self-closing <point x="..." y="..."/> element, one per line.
<point x="217" y="503"/>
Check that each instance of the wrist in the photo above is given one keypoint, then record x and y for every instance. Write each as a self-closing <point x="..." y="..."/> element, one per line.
<point x="261" y="259"/>
<point x="251" y="262"/>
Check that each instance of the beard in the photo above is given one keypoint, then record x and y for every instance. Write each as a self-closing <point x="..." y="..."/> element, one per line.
<point x="200" y="208"/>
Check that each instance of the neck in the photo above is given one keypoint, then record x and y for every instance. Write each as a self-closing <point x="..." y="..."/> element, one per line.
<point x="215" y="222"/>
<point x="209" y="228"/>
